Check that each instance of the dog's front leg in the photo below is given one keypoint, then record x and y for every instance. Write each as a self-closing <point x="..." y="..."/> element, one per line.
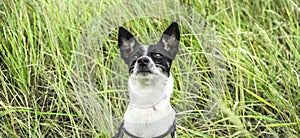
<point x="173" y="132"/>
<point x="120" y="133"/>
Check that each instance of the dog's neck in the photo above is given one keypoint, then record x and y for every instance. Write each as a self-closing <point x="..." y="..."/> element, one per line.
<point x="148" y="91"/>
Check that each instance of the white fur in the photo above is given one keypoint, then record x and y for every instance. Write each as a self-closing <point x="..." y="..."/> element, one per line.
<point x="150" y="113"/>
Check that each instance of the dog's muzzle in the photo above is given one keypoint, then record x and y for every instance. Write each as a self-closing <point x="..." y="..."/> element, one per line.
<point x="144" y="65"/>
<point x="143" y="61"/>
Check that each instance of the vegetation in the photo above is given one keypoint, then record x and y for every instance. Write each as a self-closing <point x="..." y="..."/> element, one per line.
<point x="45" y="69"/>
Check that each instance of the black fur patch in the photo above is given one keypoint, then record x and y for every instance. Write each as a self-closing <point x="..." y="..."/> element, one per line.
<point x="163" y="62"/>
<point x="162" y="53"/>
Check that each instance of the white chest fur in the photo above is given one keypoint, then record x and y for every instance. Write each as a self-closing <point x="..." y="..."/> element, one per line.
<point x="149" y="113"/>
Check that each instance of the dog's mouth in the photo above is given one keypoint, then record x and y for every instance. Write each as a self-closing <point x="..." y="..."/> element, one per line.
<point x="144" y="71"/>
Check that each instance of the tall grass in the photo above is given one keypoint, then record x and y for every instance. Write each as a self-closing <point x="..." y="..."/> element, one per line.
<point x="259" y="40"/>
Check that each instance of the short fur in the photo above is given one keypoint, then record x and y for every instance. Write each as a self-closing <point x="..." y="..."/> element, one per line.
<point x="150" y="84"/>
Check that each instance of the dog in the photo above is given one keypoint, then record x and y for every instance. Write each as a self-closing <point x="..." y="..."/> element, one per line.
<point x="150" y="84"/>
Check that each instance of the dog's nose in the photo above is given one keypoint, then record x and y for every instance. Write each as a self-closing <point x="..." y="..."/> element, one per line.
<point x="143" y="61"/>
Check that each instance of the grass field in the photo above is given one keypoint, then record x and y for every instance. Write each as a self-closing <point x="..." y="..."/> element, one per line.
<point x="57" y="79"/>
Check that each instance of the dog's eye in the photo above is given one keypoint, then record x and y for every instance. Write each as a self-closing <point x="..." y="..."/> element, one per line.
<point x="157" y="55"/>
<point x="135" y="57"/>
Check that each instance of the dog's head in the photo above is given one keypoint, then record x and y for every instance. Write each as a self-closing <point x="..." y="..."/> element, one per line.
<point x="153" y="59"/>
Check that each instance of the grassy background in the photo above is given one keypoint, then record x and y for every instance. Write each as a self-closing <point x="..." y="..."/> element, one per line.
<point x="259" y="40"/>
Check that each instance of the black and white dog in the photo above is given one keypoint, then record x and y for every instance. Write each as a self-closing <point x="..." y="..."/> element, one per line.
<point x="150" y="83"/>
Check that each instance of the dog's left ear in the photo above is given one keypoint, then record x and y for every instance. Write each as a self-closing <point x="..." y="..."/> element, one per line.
<point x="170" y="40"/>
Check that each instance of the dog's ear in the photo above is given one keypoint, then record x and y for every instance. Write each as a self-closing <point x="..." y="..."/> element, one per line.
<point x="126" y="43"/>
<point x="170" y="40"/>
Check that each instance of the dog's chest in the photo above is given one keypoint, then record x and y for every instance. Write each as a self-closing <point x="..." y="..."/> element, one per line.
<point x="149" y="113"/>
<point x="149" y="122"/>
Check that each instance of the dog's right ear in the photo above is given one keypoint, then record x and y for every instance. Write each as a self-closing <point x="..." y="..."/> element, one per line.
<point x="126" y="43"/>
